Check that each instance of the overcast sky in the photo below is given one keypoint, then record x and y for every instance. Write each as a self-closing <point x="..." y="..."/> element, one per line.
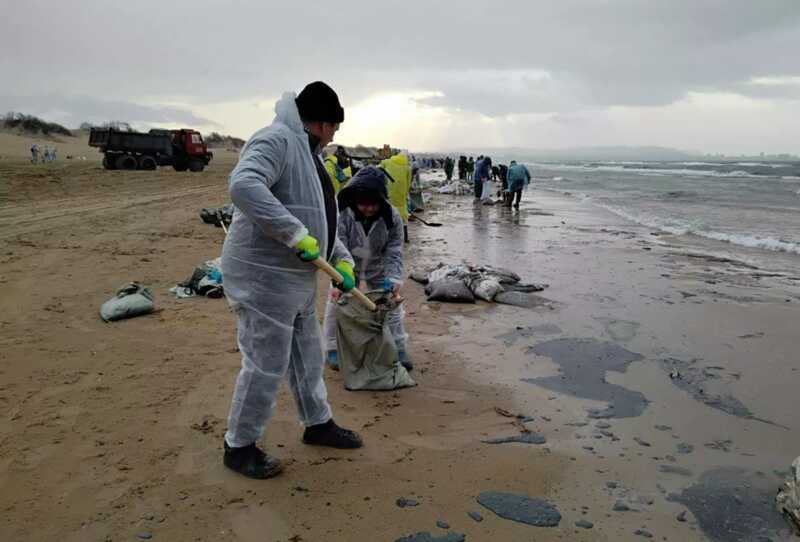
<point x="705" y="75"/>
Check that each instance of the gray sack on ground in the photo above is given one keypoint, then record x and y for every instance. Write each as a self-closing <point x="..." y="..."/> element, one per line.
<point x="451" y="289"/>
<point x="131" y="300"/>
<point x="367" y="353"/>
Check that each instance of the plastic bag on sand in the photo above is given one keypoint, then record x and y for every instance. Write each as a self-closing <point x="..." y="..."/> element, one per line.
<point x="787" y="501"/>
<point x="367" y="353"/>
<point x="486" y="192"/>
<point x="131" y="300"/>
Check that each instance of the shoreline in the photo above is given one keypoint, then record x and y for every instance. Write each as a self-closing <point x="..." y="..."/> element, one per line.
<point x="122" y="423"/>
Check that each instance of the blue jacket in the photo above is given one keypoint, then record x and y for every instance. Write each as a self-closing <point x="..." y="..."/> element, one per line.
<point x="483" y="169"/>
<point x="518" y="177"/>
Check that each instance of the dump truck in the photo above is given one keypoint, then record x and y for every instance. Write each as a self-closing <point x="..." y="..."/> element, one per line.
<point x="182" y="149"/>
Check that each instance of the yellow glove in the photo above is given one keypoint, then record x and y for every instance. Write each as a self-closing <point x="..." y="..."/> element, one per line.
<point x="345" y="269"/>
<point x="307" y="249"/>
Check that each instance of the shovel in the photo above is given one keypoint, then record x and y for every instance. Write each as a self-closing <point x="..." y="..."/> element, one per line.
<point x="431" y="224"/>
<point x="335" y="275"/>
<point x="337" y="278"/>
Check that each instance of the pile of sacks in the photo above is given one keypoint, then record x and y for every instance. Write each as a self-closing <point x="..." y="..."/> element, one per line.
<point x="464" y="283"/>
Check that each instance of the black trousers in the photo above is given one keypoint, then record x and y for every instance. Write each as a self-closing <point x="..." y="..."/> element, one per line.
<point x="515" y="195"/>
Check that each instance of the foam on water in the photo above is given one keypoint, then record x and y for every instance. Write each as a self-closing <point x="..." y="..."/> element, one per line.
<point x="677" y="226"/>
<point x="681" y="227"/>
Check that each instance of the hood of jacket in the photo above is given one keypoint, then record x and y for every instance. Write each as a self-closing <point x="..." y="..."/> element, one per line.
<point x="286" y="113"/>
<point x="368" y="180"/>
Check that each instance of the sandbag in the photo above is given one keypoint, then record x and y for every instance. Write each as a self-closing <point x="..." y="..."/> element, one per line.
<point x="368" y="357"/>
<point x="486" y="289"/>
<point x="453" y="290"/>
<point x="131" y="300"/>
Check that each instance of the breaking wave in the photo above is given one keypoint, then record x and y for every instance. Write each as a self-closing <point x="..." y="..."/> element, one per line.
<point x="684" y="169"/>
<point x="681" y="227"/>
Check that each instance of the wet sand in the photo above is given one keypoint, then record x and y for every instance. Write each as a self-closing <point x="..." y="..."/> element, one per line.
<point x="114" y="430"/>
<point x="627" y="310"/>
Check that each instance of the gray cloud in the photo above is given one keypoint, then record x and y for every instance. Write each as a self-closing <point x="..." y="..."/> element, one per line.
<point x="73" y="110"/>
<point x="480" y="56"/>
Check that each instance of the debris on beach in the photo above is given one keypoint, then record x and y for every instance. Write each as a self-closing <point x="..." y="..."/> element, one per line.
<point x="131" y="300"/>
<point x="218" y="216"/>
<point x="787" y="500"/>
<point x="464" y="283"/>
<point x="206" y="280"/>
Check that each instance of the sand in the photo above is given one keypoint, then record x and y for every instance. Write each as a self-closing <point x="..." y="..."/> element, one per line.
<point x="111" y="431"/>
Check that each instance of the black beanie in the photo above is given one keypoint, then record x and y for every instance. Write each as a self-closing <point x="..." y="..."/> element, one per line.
<point x="319" y="102"/>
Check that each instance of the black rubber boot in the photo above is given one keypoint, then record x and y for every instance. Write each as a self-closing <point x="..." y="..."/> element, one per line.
<point x="405" y="234"/>
<point x="331" y="435"/>
<point x="250" y="461"/>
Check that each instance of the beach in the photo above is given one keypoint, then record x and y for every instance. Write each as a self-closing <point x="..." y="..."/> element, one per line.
<point x="660" y="371"/>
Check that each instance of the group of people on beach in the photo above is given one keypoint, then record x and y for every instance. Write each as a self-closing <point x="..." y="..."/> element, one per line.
<point x="514" y="178"/>
<point x="47" y="155"/>
<point x="294" y="207"/>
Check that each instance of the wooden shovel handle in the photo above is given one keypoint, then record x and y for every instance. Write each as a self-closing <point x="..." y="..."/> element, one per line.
<point x="329" y="270"/>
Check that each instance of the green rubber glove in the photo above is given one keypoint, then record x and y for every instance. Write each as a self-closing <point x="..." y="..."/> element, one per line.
<point x="349" y="279"/>
<point x="307" y="249"/>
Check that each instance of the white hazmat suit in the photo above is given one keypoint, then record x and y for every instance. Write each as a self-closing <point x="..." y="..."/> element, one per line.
<point x="278" y="197"/>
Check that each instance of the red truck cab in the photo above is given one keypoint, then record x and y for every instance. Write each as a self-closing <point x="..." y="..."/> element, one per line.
<point x="193" y="151"/>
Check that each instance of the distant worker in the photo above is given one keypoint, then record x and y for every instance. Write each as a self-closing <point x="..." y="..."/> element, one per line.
<point x="53" y="155"/>
<point x="344" y="159"/>
<point x="504" y="183"/>
<point x="399" y="186"/>
<point x="372" y="231"/>
<point x="285" y="217"/>
<point x="448" y="168"/>
<point x="483" y="179"/>
<point x="34" y="154"/>
<point x="462" y="168"/>
<point x="46" y="154"/>
<point x="337" y="174"/>
<point x="518" y="178"/>
<point x="470" y="168"/>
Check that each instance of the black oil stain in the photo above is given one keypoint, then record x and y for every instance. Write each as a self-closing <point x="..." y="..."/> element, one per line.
<point x="732" y="504"/>
<point x="583" y="365"/>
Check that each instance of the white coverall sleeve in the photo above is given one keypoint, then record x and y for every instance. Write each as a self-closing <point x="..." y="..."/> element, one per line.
<point x="394" y="252"/>
<point x="259" y="168"/>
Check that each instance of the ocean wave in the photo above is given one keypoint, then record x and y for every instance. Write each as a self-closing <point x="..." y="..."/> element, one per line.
<point x="729" y="170"/>
<point x="653" y="172"/>
<point x="682" y="227"/>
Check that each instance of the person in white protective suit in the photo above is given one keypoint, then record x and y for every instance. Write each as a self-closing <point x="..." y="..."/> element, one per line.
<point x="372" y="230"/>
<point x="285" y="217"/>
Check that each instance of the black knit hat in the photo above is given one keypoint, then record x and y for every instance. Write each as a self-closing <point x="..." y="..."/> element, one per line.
<point x="319" y="102"/>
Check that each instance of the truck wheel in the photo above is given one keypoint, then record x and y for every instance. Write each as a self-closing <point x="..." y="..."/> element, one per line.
<point x="109" y="161"/>
<point x="196" y="165"/>
<point x="126" y="161"/>
<point x="180" y="166"/>
<point x="148" y="163"/>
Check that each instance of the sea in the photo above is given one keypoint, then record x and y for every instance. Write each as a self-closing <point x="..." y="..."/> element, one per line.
<point x="754" y="206"/>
